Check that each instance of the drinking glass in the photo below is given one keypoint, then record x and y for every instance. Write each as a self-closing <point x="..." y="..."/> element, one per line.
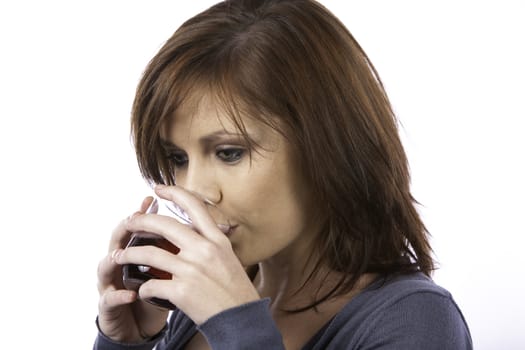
<point x="133" y="276"/>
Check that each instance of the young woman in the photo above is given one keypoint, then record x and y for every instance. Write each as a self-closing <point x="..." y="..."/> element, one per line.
<point x="267" y="123"/>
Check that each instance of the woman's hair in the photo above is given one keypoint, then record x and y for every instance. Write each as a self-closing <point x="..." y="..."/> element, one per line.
<point x="293" y="61"/>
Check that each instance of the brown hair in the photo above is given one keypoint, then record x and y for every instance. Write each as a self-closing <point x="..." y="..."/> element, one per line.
<point x="295" y="61"/>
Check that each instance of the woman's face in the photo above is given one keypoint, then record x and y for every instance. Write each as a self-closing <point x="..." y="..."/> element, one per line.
<point x="264" y="198"/>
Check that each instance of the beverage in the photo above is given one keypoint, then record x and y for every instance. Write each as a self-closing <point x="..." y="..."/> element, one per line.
<point x="134" y="275"/>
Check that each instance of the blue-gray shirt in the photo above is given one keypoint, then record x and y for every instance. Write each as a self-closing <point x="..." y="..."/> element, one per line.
<point x="405" y="312"/>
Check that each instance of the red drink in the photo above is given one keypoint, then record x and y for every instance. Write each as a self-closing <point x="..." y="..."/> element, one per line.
<point x="134" y="275"/>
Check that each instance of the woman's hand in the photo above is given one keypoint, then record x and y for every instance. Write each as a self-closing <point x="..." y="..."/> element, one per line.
<point x="121" y="316"/>
<point x="207" y="276"/>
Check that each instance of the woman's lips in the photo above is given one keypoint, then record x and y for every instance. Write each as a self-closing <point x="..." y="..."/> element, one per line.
<point x="226" y="229"/>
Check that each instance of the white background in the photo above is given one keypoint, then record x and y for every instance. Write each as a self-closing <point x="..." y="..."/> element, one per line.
<point x="454" y="71"/>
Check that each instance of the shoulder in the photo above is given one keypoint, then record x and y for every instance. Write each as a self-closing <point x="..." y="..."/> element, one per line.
<point x="407" y="311"/>
<point x="388" y="291"/>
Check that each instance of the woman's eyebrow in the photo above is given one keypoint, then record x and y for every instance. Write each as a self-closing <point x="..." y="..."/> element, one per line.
<point x="206" y="141"/>
<point x="168" y="145"/>
<point x="218" y="135"/>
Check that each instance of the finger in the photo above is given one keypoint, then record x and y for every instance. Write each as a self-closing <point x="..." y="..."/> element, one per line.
<point x="156" y="288"/>
<point x="106" y="272"/>
<point x="115" y="298"/>
<point x="179" y="267"/>
<point x="180" y="235"/>
<point x="196" y="209"/>
<point x="152" y="256"/>
<point x="189" y="297"/>
<point x="120" y="235"/>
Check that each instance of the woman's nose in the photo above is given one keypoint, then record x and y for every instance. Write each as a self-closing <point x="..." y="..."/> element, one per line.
<point x="201" y="182"/>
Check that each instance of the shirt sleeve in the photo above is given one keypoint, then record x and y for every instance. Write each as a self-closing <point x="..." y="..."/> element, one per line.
<point x="427" y="321"/>
<point x="248" y="326"/>
<point x="102" y="342"/>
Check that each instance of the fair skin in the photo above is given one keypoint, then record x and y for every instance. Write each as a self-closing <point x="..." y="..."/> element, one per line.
<point x="267" y="209"/>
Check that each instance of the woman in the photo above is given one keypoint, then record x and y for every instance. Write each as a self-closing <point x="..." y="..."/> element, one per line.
<point x="266" y="122"/>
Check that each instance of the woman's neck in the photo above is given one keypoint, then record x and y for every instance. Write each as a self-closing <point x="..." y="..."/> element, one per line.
<point x="288" y="280"/>
<point x="294" y="284"/>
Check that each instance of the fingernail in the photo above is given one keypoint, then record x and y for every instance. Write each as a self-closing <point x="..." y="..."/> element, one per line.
<point x="115" y="254"/>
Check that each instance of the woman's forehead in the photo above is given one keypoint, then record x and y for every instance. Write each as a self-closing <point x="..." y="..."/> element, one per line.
<point x="202" y="113"/>
<point x="204" y="117"/>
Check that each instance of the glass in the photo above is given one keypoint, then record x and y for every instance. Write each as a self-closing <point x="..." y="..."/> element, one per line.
<point x="133" y="276"/>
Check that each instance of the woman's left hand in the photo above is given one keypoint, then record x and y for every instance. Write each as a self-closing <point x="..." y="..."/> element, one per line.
<point x="207" y="275"/>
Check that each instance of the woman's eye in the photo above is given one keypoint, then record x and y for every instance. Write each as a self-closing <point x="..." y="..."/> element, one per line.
<point x="230" y="155"/>
<point x="178" y="159"/>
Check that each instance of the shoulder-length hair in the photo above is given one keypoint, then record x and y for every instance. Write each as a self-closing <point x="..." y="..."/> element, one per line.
<point x="294" y="61"/>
